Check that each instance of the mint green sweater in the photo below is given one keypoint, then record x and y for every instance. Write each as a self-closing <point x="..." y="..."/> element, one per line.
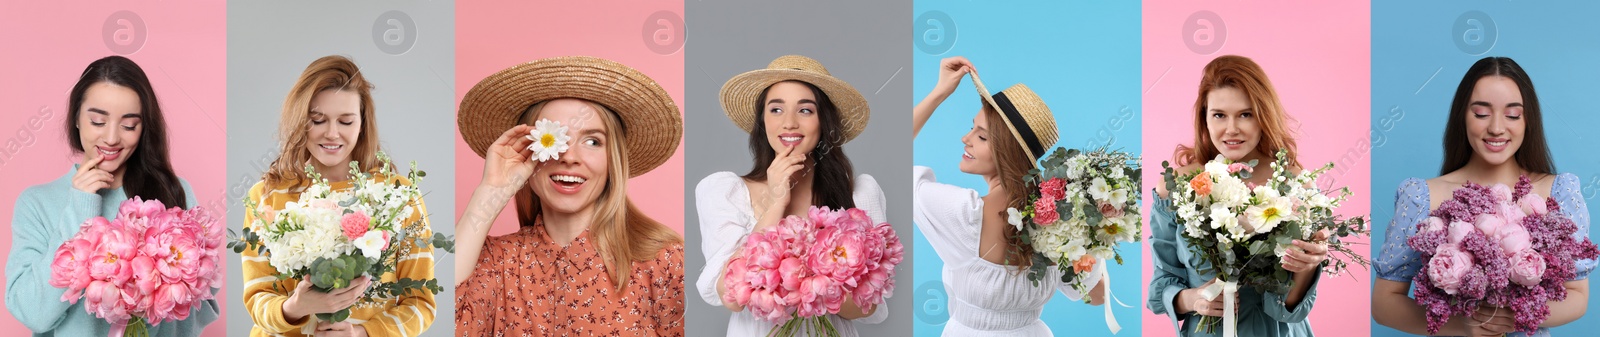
<point x="45" y="216"/>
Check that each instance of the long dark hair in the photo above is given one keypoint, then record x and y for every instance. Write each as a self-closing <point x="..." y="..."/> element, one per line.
<point x="1533" y="155"/>
<point x="833" y="180"/>
<point x="148" y="171"/>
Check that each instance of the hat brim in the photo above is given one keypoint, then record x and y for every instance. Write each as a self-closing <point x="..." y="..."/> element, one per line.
<point x="740" y="93"/>
<point x="650" y="119"/>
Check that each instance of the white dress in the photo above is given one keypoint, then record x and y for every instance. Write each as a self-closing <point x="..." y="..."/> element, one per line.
<point x="723" y="204"/>
<point x="986" y="299"/>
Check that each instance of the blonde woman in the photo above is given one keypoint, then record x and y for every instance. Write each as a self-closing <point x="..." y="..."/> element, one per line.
<point x="328" y="122"/>
<point x="585" y="261"/>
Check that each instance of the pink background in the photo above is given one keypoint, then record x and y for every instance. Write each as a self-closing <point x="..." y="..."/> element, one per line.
<point x="1317" y="57"/>
<point x="47" y="45"/>
<point x="496" y="35"/>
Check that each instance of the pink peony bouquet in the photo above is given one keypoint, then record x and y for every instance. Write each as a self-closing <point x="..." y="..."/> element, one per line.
<point x="151" y="264"/>
<point x="806" y="268"/>
<point x="1496" y="246"/>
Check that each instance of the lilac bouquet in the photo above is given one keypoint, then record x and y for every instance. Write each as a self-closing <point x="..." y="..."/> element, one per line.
<point x="1496" y="246"/>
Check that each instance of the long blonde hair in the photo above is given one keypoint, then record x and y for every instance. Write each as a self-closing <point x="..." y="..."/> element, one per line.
<point x="623" y="233"/>
<point x="326" y="73"/>
<point x="1239" y="72"/>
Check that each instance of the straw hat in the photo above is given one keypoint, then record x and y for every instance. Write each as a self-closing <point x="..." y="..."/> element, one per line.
<point x="1025" y="114"/>
<point x="649" y="116"/>
<point x="739" y="95"/>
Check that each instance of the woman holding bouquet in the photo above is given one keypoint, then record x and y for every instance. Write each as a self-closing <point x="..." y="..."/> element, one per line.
<point x="113" y="110"/>
<point x="1238" y="116"/>
<point x="328" y="122"/>
<point x="561" y="137"/>
<point x="799" y="118"/>
<point x="985" y="264"/>
<point x="1494" y="135"/>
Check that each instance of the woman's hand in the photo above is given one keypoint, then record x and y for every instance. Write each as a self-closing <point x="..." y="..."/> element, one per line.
<point x="1492" y="321"/>
<point x="305" y="301"/>
<point x="951" y="69"/>
<point x="780" y="178"/>
<point x="507" y="165"/>
<point x="90" y="178"/>
<point x="508" y="161"/>
<point x="341" y="329"/>
<point x="1306" y="256"/>
<point x="1189" y="300"/>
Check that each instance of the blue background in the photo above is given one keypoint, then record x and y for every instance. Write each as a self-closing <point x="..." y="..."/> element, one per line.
<point x="1083" y="60"/>
<point x="1411" y="40"/>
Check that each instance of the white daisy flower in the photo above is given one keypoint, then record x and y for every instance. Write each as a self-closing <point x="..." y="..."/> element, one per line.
<point x="549" y="140"/>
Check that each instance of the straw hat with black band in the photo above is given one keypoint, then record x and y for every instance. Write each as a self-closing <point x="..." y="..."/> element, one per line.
<point x="649" y="117"/>
<point x="740" y="93"/>
<point x="1025" y="114"/>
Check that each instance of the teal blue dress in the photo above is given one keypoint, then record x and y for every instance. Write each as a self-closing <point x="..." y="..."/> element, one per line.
<point x="1260" y="313"/>
<point x="45" y="216"/>
<point x="1398" y="262"/>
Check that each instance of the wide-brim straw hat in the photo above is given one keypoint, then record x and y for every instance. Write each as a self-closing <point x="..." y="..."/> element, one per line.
<point x="650" y="119"/>
<point x="740" y="93"/>
<point x="1025" y="114"/>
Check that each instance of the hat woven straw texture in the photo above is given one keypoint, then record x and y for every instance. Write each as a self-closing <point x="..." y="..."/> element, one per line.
<point x="650" y="120"/>
<point x="1033" y="110"/>
<point x="740" y="93"/>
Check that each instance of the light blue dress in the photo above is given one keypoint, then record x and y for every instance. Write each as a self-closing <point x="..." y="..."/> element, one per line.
<point x="45" y="217"/>
<point x="1176" y="268"/>
<point x="1398" y="262"/>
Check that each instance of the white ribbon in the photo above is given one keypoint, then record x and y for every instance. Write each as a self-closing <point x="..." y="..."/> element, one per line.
<point x="1111" y="320"/>
<point x="1227" y="290"/>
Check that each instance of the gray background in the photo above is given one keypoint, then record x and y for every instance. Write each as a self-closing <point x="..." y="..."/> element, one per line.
<point x="865" y="43"/>
<point x="270" y="43"/>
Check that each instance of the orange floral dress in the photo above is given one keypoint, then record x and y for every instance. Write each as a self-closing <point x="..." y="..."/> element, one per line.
<point x="526" y="285"/>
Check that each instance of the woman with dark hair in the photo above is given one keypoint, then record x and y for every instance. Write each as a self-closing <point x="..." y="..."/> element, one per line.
<point x="985" y="263"/>
<point x="1494" y="135"/>
<point x="113" y="110"/>
<point x="799" y="118"/>
<point x="1237" y="115"/>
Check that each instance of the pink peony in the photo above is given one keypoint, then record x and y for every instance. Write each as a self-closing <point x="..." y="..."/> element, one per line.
<point x="1533" y="204"/>
<point x="1044" y="212"/>
<point x="1449" y="266"/>
<point x="819" y="296"/>
<point x="1527" y="268"/>
<point x="1489" y="224"/>
<point x="1434" y="224"/>
<point x="839" y="254"/>
<point x="1500" y="192"/>
<point x="736" y="289"/>
<point x="355" y="224"/>
<point x="1512" y="238"/>
<point x="1511" y="213"/>
<point x="112" y="256"/>
<point x="1054" y="189"/>
<point x="1458" y="231"/>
